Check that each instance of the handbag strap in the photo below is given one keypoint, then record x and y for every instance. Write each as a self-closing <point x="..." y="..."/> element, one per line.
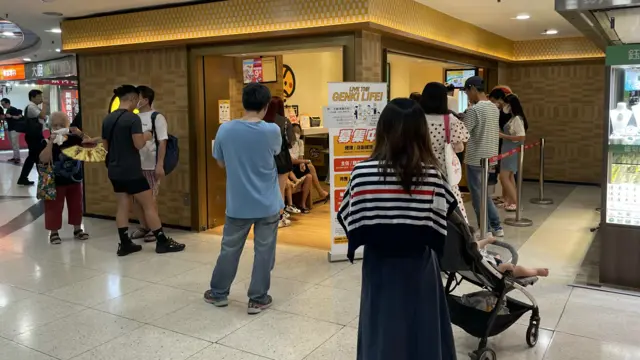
<point x="447" y="128"/>
<point x="113" y="127"/>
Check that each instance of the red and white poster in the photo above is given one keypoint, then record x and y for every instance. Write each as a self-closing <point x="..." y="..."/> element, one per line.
<point x="252" y="70"/>
<point x="68" y="100"/>
<point x="352" y="115"/>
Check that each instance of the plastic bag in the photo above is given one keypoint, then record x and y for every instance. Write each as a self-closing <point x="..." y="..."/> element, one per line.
<point x="485" y="301"/>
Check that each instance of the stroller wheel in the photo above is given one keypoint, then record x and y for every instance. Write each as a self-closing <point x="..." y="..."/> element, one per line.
<point x="532" y="335"/>
<point x="484" y="354"/>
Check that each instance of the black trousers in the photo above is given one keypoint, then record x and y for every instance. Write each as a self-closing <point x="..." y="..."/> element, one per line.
<point x="35" y="147"/>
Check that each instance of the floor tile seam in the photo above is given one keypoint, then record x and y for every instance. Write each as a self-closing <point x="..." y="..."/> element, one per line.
<point x="233" y="348"/>
<point x="32" y="349"/>
<point x="313" y="318"/>
<point x="139" y="325"/>
<point x="566" y="199"/>
<point x="325" y="342"/>
<point x="546" y="350"/>
<point x="58" y="288"/>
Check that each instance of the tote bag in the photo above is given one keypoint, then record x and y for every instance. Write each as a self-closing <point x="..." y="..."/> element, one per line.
<point x="452" y="163"/>
<point x="46" y="183"/>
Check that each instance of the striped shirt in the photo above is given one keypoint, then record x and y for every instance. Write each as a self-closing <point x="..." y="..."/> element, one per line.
<point x="483" y="123"/>
<point x="378" y="211"/>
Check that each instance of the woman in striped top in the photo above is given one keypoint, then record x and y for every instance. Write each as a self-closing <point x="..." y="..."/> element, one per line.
<point x="396" y="206"/>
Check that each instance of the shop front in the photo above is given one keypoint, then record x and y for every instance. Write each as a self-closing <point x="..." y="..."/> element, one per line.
<point x="57" y="79"/>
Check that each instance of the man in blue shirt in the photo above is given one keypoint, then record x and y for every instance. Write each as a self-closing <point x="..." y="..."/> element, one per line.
<point x="246" y="148"/>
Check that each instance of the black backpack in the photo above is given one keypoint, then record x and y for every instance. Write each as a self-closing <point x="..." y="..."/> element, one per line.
<point x="172" y="155"/>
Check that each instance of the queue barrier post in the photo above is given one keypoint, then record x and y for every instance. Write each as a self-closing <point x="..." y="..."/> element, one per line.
<point x="484" y="185"/>
<point x="541" y="200"/>
<point x="519" y="221"/>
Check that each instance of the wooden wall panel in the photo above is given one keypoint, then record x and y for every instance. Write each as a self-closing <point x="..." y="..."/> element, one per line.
<point x="564" y="102"/>
<point x="368" y="57"/>
<point x="164" y="70"/>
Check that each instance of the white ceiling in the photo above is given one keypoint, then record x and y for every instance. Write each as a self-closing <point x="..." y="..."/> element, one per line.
<point x="496" y="17"/>
<point x="28" y="15"/>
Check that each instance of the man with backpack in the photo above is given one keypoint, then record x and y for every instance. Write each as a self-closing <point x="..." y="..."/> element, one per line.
<point x="152" y="155"/>
<point x="32" y="126"/>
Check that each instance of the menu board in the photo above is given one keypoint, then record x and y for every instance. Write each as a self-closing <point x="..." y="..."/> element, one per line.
<point x="458" y="77"/>
<point x="352" y="117"/>
<point x="259" y="70"/>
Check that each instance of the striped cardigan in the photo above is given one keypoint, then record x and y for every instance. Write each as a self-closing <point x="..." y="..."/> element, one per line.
<point x="377" y="211"/>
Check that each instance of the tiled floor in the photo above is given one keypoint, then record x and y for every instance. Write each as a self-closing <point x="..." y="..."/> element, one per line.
<point x="79" y="301"/>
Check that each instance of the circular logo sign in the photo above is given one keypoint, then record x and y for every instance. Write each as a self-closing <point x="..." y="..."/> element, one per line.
<point x="289" y="80"/>
<point x="115" y="104"/>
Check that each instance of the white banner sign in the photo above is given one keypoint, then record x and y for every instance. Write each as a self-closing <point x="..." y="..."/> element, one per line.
<point x="352" y="116"/>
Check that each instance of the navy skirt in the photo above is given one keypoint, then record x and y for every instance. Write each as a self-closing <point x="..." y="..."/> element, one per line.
<point x="403" y="309"/>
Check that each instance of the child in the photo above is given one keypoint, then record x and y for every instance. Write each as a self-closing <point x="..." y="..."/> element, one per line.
<point x="517" y="270"/>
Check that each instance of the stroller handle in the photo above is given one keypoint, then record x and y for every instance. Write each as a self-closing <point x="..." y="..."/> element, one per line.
<point x="512" y="250"/>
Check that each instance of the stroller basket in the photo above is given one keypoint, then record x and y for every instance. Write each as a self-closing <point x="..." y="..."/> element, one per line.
<point x="476" y="322"/>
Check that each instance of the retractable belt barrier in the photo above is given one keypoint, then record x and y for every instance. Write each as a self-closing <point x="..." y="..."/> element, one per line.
<point x="518" y="220"/>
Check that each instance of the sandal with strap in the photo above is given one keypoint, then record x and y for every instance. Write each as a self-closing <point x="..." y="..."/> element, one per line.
<point x="140" y="233"/>
<point x="79" y="234"/>
<point x="54" y="238"/>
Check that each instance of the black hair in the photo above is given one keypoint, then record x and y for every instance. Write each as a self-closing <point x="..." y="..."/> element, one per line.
<point x="434" y="99"/>
<point x="497" y="94"/>
<point x="415" y="96"/>
<point x="296" y="125"/>
<point x="402" y="142"/>
<point x="516" y="109"/>
<point x="147" y="93"/>
<point x="126" y="90"/>
<point x="33" y="93"/>
<point x="5" y="100"/>
<point x="450" y="88"/>
<point x="255" y="97"/>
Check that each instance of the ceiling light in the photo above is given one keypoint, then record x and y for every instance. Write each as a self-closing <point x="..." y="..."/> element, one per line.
<point x="57" y="50"/>
<point x="8" y="33"/>
<point x="26" y="59"/>
<point x="56" y="30"/>
<point x="550" y="32"/>
<point x="522" y="17"/>
<point x="52" y="13"/>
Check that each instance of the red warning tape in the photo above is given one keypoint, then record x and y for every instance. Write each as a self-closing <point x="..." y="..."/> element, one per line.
<point x="495" y="159"/>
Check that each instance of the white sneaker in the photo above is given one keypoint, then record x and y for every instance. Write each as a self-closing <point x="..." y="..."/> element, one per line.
<point x="286" y="215"/>
<point x="284" y="223"/>
<point x="292" y="209"/>
<point x="499" y="232"/>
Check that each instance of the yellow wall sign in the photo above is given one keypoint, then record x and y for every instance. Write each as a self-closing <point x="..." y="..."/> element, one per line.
<point x="115" y="104"/>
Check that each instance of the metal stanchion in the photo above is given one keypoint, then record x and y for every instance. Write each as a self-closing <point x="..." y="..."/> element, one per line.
<point x="484" y="184"/>
<point x="519" y="221"/>
<point x="540" y="200"/>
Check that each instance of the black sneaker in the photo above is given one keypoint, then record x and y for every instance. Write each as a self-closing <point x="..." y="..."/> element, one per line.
<point x="128" y="248"/>
<point x="256" y="307"/>
<point x="25" y="182"/>
<point x="169" y="246"/>
<point x="215" y="301"/>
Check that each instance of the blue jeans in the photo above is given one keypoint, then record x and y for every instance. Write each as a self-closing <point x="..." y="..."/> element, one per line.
<point x="474" y="182"/>
<point x="233" y="239"/>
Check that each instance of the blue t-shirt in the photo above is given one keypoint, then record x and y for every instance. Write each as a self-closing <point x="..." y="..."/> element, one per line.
<point x="247" y="150"/>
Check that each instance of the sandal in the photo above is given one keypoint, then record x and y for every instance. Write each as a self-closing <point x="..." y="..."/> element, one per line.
<point x="140" y="233"/>
<point x="54" y="238"/>
<point x="511" y="207"/>
<point x="79" y="234"/>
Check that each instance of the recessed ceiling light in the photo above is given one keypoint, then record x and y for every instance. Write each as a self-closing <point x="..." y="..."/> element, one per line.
<point x="57" y="50"/>
<point x="56" y="30"/>
<point x="8" y="33"/>
<point x="550" y="32"/>
<point x="522" y="17"/>
<point x="26" y="59"/>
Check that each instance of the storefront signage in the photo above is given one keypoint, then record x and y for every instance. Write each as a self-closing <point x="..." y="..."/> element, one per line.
<point x="352" y="116"/>
<point x="289" y="81"/>
<point x="623" y="55"/>
<point x="12" y="72"/>
<point x="57" y="82"/>
<point x="51" y="69"/>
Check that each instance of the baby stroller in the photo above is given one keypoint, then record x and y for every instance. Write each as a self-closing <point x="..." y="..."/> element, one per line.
<point x="462" y="261"/>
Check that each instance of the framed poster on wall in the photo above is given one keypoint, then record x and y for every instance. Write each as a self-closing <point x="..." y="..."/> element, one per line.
<point x="260" y="70"/>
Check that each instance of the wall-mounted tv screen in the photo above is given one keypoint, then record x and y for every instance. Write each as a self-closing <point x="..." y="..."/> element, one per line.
<point x="457" y="77"/>
<point x="261" y="69"/>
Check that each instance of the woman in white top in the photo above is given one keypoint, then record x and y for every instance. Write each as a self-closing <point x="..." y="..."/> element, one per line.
<point x="435" y="105"/>
<point x="303" y="167"/>
<point x="513" y="135"/>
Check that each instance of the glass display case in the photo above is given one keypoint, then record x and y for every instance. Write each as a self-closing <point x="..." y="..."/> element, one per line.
<point x="623" y="145"/>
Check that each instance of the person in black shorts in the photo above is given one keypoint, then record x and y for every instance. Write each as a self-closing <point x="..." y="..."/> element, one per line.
<point x="123" y="138"/>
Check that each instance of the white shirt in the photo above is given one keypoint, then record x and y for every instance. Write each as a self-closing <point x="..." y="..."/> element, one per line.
<point x="148" y="152"/>
<point x="515" y="126"/>
<point x="297" y="150"/>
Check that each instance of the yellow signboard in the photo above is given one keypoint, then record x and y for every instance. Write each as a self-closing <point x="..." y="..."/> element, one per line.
<point x="341" y="180"/>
